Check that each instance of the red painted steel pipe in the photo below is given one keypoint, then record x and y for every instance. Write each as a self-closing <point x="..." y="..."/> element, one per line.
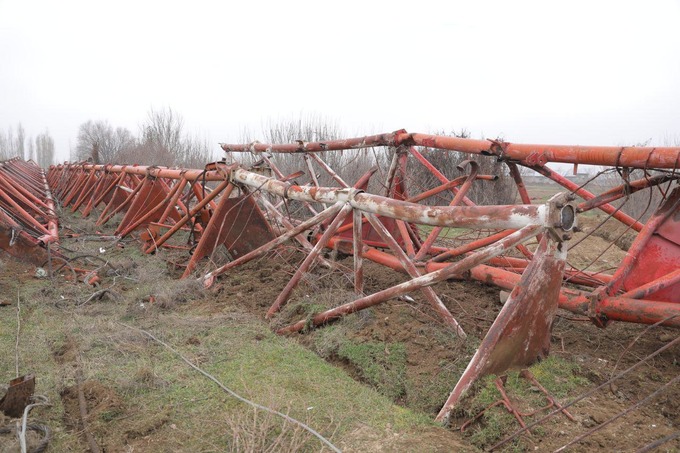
<point x="621" y="191"/>
<point x="413" y="272"/>
<point x="612" y="156"/>
<point x="156" y="172"/>
<point x="639" y="311"/>
<point x="225" y="185"/>
<point x="586" y="195"/>
<point x="426" y="280"/>
<point x="650" y="288"/>
<point x="24" y="193"/>
<point x="470" y="246"/>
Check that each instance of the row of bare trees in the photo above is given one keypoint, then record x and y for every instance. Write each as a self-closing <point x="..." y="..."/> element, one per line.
<point x="162" y="140"/>
<point x="15" y="143"/>
<point x="501" y="191"/>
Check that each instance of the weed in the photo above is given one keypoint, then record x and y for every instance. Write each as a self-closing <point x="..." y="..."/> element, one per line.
<point x="110" y="415"/>
<point x="557" y="375"/>
<point x="381" y="365"/>
<point x="255" y="431"/>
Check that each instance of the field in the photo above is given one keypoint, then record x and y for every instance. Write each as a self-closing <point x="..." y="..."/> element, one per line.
<point x="371" y="382"/>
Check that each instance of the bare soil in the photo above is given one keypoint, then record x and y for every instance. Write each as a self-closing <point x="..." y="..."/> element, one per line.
<point x="434" y="357"/>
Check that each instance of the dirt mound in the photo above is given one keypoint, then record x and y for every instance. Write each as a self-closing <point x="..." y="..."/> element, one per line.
<point x="99" y="399"/>
<point x="105" y="410"/>
<point x="608" y="229"/>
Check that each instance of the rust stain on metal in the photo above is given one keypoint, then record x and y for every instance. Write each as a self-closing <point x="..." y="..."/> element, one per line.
<point x="520" y="335"/>
<point x="18" y="395"/>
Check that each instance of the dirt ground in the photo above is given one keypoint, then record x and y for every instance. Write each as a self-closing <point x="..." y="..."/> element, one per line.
<point x="399" y="349"/>
<point x="435" y="358"/>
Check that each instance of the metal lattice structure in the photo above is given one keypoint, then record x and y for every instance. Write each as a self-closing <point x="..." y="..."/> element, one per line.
<point x="381" y="215"/>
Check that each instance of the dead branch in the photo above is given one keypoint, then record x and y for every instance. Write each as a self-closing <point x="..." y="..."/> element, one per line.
<point x="82" y="404"/>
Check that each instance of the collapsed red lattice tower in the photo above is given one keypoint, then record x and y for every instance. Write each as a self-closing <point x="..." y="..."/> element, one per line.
<point x="520" y="247"/>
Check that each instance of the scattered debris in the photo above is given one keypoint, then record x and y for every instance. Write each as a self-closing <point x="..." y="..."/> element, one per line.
<point x="253" y="211"/>
<point x="18" y="396"/>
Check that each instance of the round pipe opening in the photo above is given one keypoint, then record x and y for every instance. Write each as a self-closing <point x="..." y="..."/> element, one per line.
<point x="567" y="217"/>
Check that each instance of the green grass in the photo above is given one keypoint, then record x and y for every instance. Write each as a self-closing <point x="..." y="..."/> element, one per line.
<point x="164" y="399"/>
<point x="381" y="365"/>
<point x="559" y="377"/>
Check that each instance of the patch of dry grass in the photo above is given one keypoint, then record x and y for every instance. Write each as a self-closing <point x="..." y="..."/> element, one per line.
<point x="160" y="403"/>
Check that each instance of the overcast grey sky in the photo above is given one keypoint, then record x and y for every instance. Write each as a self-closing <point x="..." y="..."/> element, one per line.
<point x="572" y="72"/>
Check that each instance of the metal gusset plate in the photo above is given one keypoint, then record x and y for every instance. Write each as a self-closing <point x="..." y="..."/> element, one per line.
<point x="520" y="335"/>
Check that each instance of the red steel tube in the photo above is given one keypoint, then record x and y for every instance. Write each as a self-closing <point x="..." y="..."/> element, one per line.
<point x="639" y="311"/>
<point x="613" y="156"/>
<point x="156" y="172"/>
<point x="426" y="280"/>
<point x="224" y="185"/>
<point x="413" y="272"/>
<point x="292" y="283"/>
<point x="161" y="204"/>
<point x="655" y="285"/>
<point x="586" y="195"/>
<point x="621" y="191"/>
<point x="479" y="243"/>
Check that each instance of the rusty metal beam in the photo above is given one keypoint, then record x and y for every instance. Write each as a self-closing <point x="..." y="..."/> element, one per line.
<point x="532" y="154"/>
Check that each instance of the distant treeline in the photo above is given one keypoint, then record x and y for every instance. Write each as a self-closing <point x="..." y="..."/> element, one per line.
<point x="161" y="140"/>
<point x="15" y="143"/>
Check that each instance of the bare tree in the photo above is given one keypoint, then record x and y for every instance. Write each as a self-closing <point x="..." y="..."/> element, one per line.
<point x="501" y="191"/>
<point x="164" y="142"/>
<point x="21" y="137"/>
<point x="11" y="145"/>
<point x="11" y="152"/>
<point x="308" y="128"/>
<point x="110" y="142"/>
<point x="163" y="128"/>
<point x="44" y="146"/>
<point x="4" y="148"/>
<point x="196" y="152"/>
<point x="31" y="150"/>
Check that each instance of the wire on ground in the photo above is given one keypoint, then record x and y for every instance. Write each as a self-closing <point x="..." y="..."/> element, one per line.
<point x="234" y="394"/>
